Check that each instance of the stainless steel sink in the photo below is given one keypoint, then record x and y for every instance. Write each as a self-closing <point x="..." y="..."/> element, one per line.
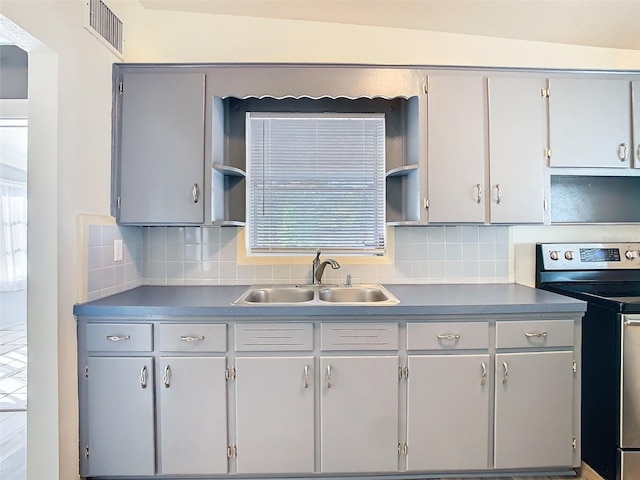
<point x="369" y="294"/>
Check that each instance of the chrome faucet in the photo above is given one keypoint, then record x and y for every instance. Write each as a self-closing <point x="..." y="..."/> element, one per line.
<point x="318" y="267"/>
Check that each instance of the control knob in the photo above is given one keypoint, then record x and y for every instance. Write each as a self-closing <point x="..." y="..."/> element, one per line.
<point x="554" y="254"/>
<point x="631" y="254"/>
<point x="568" y="255"/>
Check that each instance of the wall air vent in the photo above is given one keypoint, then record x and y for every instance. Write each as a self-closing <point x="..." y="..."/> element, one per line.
<point x="104" y="25"/>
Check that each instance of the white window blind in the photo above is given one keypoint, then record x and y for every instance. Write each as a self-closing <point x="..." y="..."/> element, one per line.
<point x="316" y="181"/>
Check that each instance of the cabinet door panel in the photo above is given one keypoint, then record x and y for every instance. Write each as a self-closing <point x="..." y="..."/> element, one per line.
<point x="516" y="147"/>
<point x="120" y="416"/>
<point x="275" y="415"/>
<point x="359" y="414"/>
<point x="161" y="155"/>
<point x="448" y="412"/>
<point x="456" y="148"/>
<point x="193" y="415"/>
<point x="636" y="123"/>
<point x="588" y="121"/>
<point x="534" y="410"/>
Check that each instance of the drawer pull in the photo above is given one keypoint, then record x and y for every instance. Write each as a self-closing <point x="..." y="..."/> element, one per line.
<point x="190" y="338"/>
<point x="118" y="338"/>
<point x="166" y="376"/>
<point x="143" y="376"/>
<point x="535" y="334"/>
<point x="448" y="336"/>
<point x="484" y="373"/>
<point x="306" y="376"/>
<point x="505" y="373"/>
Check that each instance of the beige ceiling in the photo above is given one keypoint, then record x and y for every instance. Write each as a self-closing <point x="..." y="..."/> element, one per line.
<point x="608" y="23"/>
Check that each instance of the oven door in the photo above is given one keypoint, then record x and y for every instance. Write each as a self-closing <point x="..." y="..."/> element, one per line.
<point x="630" y="383"/>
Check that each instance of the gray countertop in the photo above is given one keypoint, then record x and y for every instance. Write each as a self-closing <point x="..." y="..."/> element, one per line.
<point x="429" y="299"/>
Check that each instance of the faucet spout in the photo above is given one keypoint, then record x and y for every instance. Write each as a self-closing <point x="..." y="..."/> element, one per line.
<point x="319" y="269"/>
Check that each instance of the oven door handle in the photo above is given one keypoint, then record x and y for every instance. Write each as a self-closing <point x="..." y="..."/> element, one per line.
<point x="632" y="323"/>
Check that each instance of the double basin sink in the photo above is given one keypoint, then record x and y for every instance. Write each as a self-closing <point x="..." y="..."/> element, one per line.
<point x="362" y="294"/>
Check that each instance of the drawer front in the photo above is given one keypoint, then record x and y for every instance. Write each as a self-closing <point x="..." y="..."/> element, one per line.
<point x="274" y="337"/>
<point x="192" y="337"/>
<point x="119" y="337"/>
<point x="359" y="336"/>
<point x="534" y="334"/>
<point x="448" y="336"/>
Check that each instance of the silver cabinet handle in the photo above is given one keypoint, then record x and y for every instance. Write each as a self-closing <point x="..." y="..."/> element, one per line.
<point x="190" y="338"/>
<point x="143" y="376"/>
<point x="505" y="374"/>
<point x="638" y="152"/>
<point x="196" y="193"/>
<point x="118" y="338"/>
<point x="166" y="377"/>
<point x="448" y="336"/>
<point x="306" y="376"/>
<point x="479" y="193"/>
<point x="329" y="376"/>
<point x="535" y="334"/>
<point x="484" y="373"/>
<point x="623" y="152"/>
<point x="498" y="193"/>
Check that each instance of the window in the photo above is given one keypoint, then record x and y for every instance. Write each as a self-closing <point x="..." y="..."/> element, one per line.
<point x="315" y="181"/>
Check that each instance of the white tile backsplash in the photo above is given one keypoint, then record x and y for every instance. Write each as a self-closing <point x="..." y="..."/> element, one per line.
<point x="207" y="256"/>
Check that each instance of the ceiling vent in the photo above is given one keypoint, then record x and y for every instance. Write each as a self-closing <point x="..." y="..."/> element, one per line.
<point x="104" y="25"/>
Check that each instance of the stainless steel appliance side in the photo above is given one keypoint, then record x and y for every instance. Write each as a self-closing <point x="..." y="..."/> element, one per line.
<point x="630" y="385"/>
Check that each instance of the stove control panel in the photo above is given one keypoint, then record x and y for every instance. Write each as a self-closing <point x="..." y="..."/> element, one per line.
<point x="590" y="256"/>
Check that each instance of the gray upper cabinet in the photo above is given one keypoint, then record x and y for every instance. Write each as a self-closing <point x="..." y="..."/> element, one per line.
<point x="158" y="167"/>
<point x="193" y="415"/>
<point x="636" y="123"/>
<point x="456" y="148"/>
<point x="275" y="404"/>
<point x="516" y="150"/>
<point x="589" y="122"/>
<point x="359" y="414"/>
<point x="120" y="415"/>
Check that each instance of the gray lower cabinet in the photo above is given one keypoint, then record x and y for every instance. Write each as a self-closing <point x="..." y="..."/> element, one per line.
<point x="448" y="412"/>
<point x="192" y="415"/>
<point x="120" y="416"/>
<point x="275" y="403"/>
<point x="359" y="414"/>
<point x="534" y="409"/>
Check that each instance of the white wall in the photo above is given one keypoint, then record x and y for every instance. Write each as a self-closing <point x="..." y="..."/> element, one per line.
<point x="69" y="149"/>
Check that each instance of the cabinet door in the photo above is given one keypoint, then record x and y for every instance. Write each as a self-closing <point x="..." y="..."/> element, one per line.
<point x="275" y="415"/>
<point x="516" y="150"/>
<point x="589" y="123"/>
<point x="193" y="415"/>
<point x="161" y="158"/>
<point x="534" y="410"/>
<point x="359" y="414"/>
<point x="448" y="412"/>
<point x="120" y="416"/>
<point x="636" y="123"/>
<point x="456" y="148"/>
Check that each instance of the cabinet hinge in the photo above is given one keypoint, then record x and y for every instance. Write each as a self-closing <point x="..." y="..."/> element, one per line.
<point x="426" y="203"/>
<point x="545" y="92"/>
<point x="121" y="88"/>
<point x="230" y="373"/>
<point x="118" y="202"/>
<point x="86" y="371"/>
<point x="403" y="372"/>
<point x="232" y="451"/>
<point x="86" y="451"/>
<point x="403" y="449"/>
<point x="574" y="443"/>
<point x="547" y="153"/>
<point x="575" y="367"/>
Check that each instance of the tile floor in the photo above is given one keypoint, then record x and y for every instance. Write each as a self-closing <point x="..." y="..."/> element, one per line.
<point x="13" y="403"/>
